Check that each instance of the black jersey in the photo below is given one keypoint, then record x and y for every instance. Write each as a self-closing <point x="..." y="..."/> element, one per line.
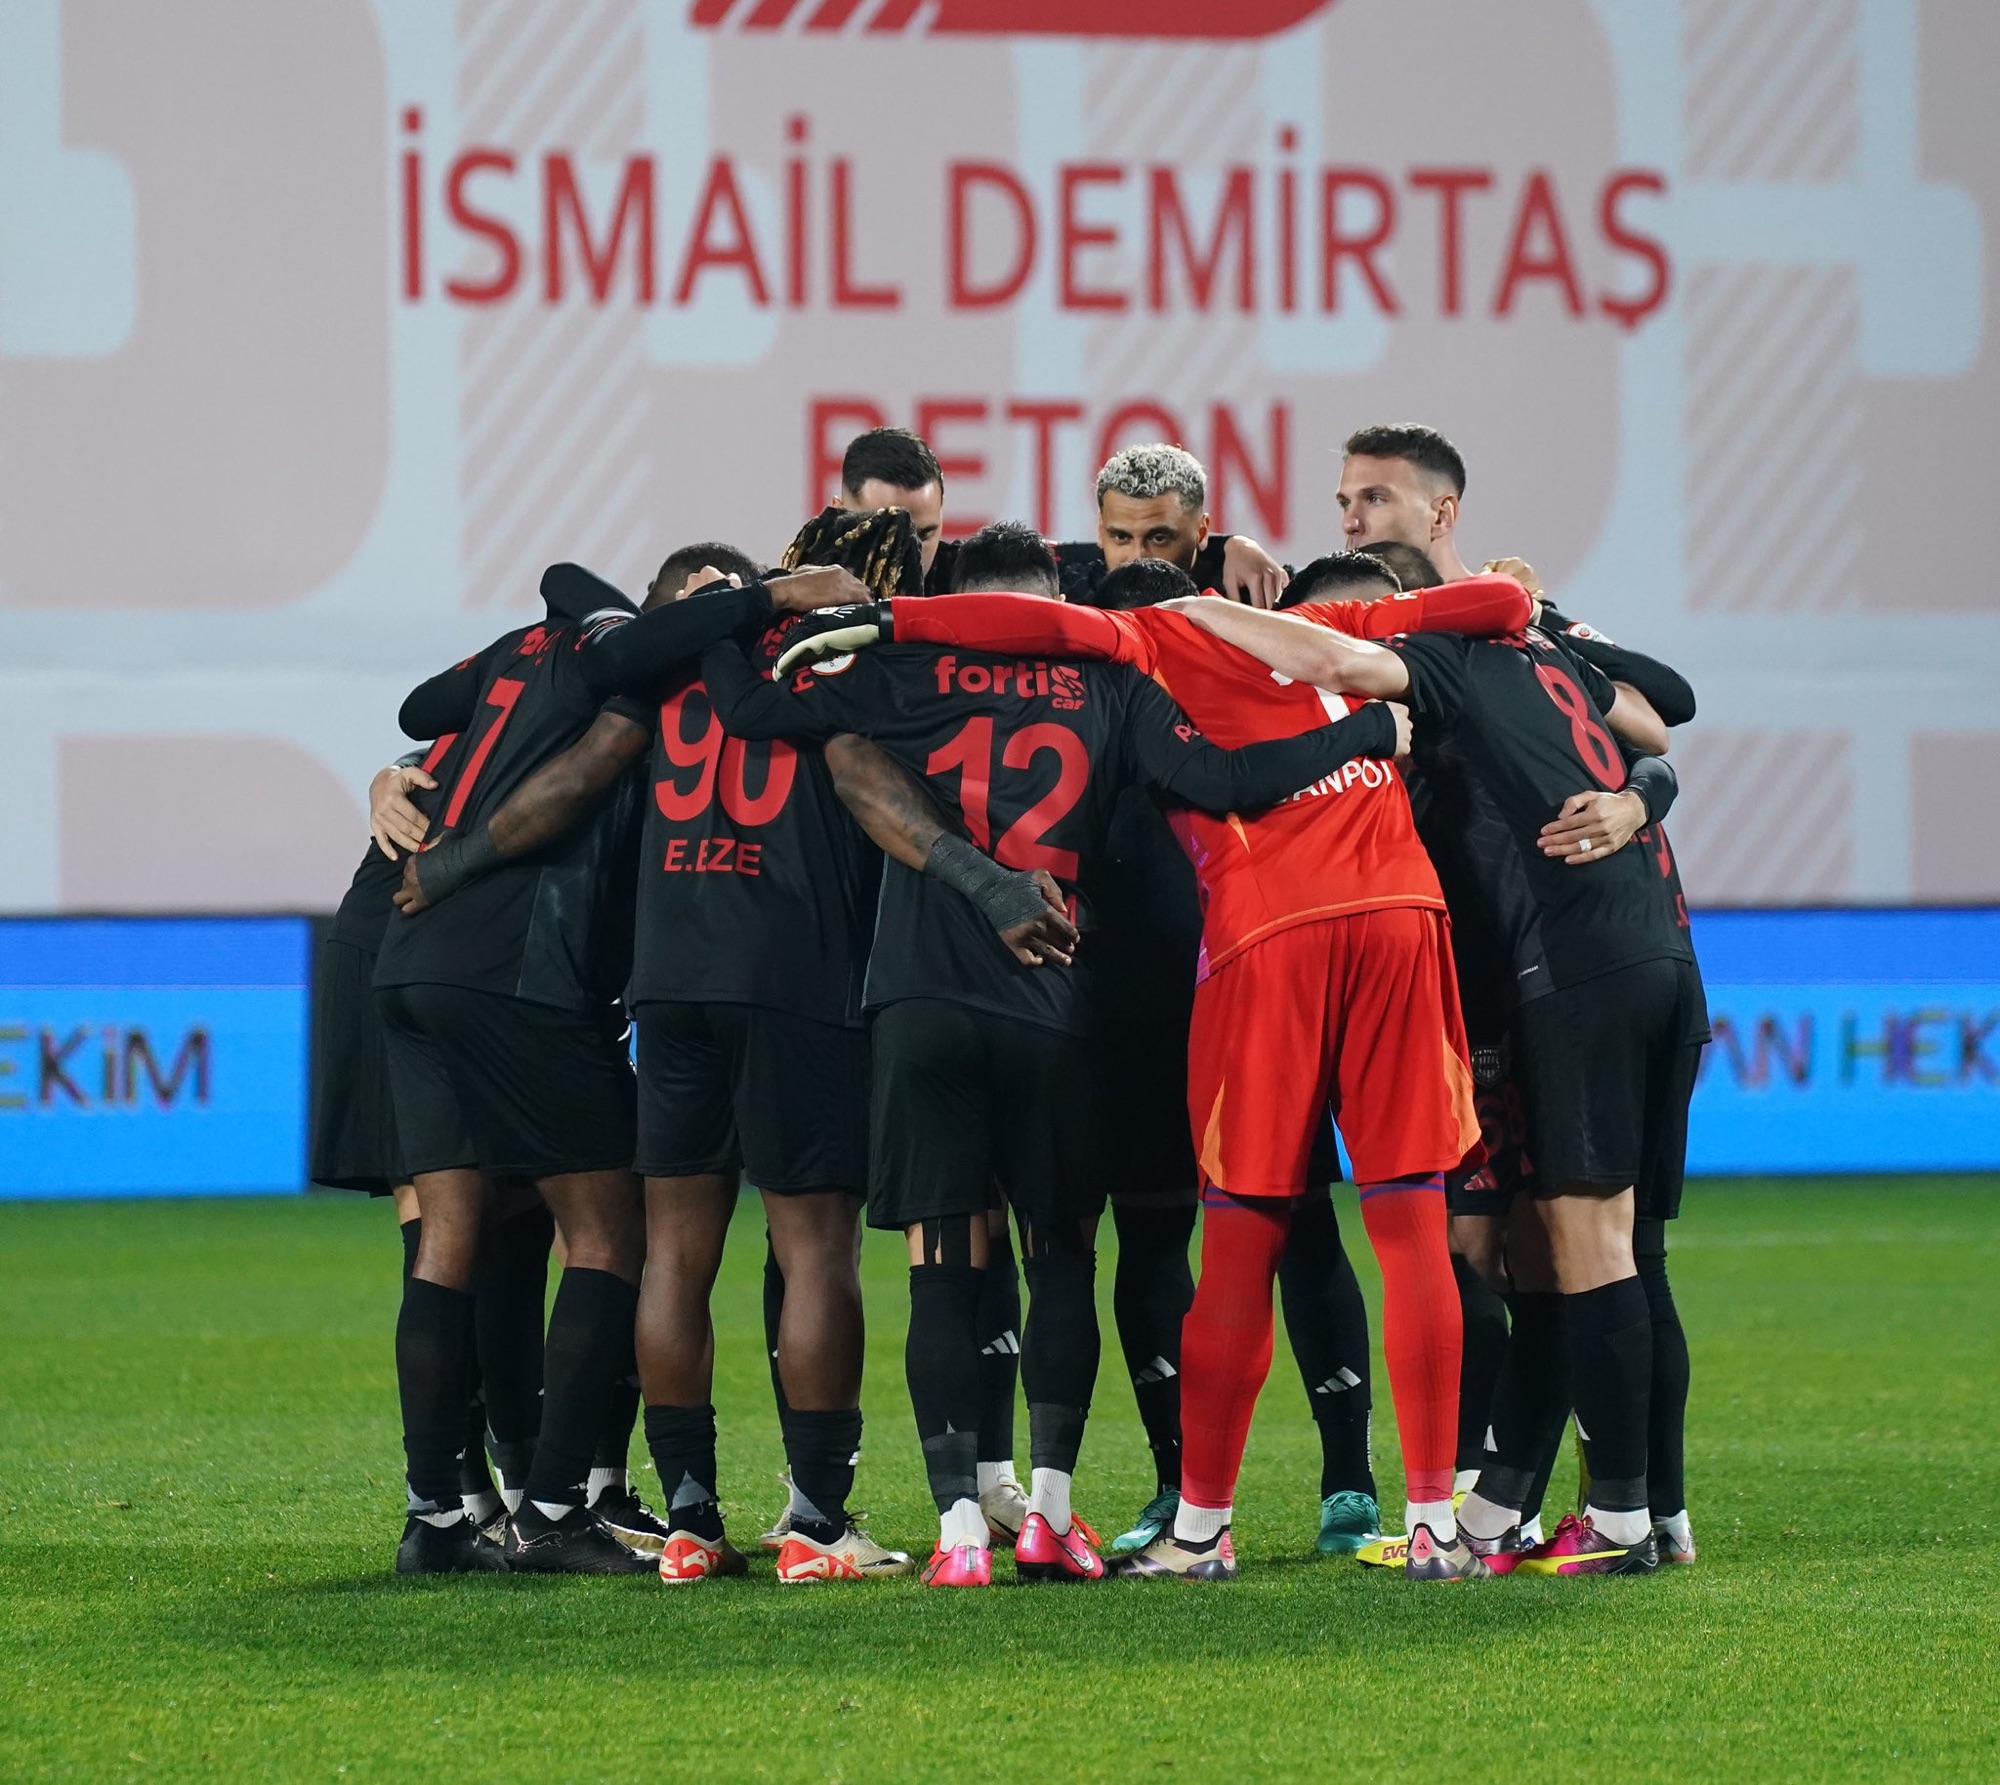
<point x="369" y="902"/>
<point x="1664" y="686"/>
<point x="1516" y="730"/>
<point x="553" y="927"/>
<point x="1030" y="756"/>
<point x="1081" y="567"/>
<point x="756" y="886"/>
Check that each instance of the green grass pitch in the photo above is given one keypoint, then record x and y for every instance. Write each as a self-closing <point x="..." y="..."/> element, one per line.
<point x="199" y="1470"/>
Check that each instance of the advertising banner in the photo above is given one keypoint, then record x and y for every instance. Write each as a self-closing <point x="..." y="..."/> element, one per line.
<point x="309" y="370"/>
<point x="153" y="1057"/>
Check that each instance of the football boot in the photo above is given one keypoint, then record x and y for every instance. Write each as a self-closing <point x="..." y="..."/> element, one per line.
<point x="1045" y="1554"/>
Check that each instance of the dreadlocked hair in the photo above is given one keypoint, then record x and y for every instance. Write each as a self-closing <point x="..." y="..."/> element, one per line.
<point x="878" y="546"/>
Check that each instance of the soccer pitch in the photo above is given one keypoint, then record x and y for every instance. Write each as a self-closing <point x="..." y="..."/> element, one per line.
<point x="202" y="1489"/>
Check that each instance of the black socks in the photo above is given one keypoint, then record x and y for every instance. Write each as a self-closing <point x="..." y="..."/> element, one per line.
<point x="1150" y="1295"/>
<point x="682" y="1440"/>
<point x="941" y="1363"/>
<point x="589" y="1349"/>
<point x="1484" y="1351"/>
<point x="1611" y="1371"/>
<point x="774" y="1312"/>
<point x="434" y="1351"/>
<point x="1059" y="1355"/>
<point x="512" y="1286"/>
<point x="822" y="1448"/>
<point x="1327" y="1322"/>
<point x="1530" y="1400"/>
<point x="997" y="1327"/>
<point x="1666" y="1426"/>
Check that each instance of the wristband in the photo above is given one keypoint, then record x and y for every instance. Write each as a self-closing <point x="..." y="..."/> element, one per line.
<point x="443" y="870"/>
<point x="1653" y="779"/>
<point x="1006" y="898"/>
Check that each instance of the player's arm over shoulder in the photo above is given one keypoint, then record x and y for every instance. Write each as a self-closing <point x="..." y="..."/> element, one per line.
<point x="1301" y="649"/>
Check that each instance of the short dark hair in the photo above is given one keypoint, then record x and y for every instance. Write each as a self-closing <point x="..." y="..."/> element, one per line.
<point x="1423" y="447"/>
<point x="1411" y="568"/>
<point x="1006" y="555"/>
<point x="1144" y="582"/>
<point x="879" y="546"/>
<point x="681" y="564"/>
<point x="1329" y="579"/>
<point x="897" y="457"/>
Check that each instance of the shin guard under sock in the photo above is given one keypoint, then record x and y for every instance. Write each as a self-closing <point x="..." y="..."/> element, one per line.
<point x="682" y="1442"/>
<point x="941" y="1365"/>
<point x="1666" y="1428"/>
<point x="613" y="1455"/>
<point x="1226" y="1340"/>
<point x="997" y="1328"/>
<point x="434" y="1375"/>
<point x="413" y="1237"/>
<point x="1059" y="1355"/>
<point x="1484" y="1318"/>
<point x="590" y="1341"/>
<point x="1420" y="1326"/>
<point x="1151" y="1291"/>
<point x="1611" y="1380"/>
<point x="822" y="1449"/>
<point x="1327" y="1322"/>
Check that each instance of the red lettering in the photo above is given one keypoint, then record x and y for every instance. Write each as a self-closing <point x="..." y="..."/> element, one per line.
<point x="480" y="223"/>
<point x="1450" y="184"/>
<point x="933" y="415"/>
<point x="1229" y="455"/>
<point x="964" y="178"/>
<point x="1539" y="215"/>
<point x="1074" y="235"/>
<point x="1233" y="230"/>
<point x="1628" y="312"/>
<point x="750" y="858"/>
<point x="1119" y="429"/>
<point x="1334" y="246"/>
<point x="676" y="855"/>
<point x="822" y="460"/>
<point x="795" y="217"/>
<point x="413" y="209"/>
<point x="676" y="801"/>
<point x="561" y="198"/>
<point x="971" y="753"/>
<point x="847" y="295"/>
<point x="781" y="762"/>
<point x="1586" y="731"/>
<point x="719" y="196"/>
<point x="501" y="697"/>
<point x="1025" y="845"/>
<point x="1044" y="418"/>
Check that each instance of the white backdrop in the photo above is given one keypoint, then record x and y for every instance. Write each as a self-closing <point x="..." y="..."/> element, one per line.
<point x="324" y="326"/>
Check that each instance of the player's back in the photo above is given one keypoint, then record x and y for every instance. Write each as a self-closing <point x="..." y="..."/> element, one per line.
<point x="1028" y="755"/>
<point x="755" y="884"/>
<point x="1345" y="844"/>
<point x="553" y="927"/>
<point x="1522" y="723"/>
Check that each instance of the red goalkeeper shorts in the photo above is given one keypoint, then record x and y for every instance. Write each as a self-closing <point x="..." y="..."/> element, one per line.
<point x="1360" y="1012"/>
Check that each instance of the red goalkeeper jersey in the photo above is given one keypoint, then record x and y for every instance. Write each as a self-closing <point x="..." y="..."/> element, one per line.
<point x="1343" y="845"/>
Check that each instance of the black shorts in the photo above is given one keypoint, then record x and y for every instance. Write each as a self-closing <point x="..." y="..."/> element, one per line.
<point x="353" y="1144"/>
<point x="1607" y="1069"/>
<point x="1503" y="1131"/>
<point x="740" y="1087"/>
<point x="1141" y="1146"/>
<point x="963" y="1099"/>
<point x="519" y="1090"/>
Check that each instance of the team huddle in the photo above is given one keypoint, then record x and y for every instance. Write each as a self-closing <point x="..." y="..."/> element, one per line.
<point x="965" y="886"/>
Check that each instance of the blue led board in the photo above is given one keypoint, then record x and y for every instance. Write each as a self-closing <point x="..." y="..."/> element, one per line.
<point x="153" y="1056"/>
<point x="1849" y="1041"/>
